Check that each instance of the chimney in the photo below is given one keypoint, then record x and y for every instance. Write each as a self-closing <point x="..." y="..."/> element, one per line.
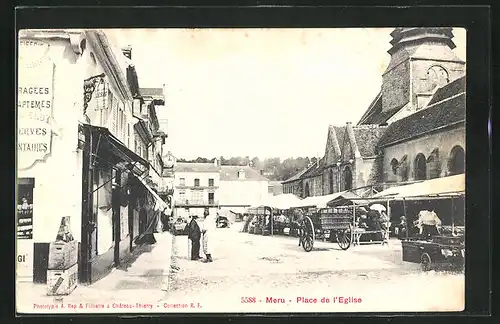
<point x="217" y="162"/>
<point x="127" y="51"/>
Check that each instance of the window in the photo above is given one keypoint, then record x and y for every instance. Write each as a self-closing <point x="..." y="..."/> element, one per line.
<point x="211" y="199"/>
<point x="394" y="166"/>
<point x="182" y="195"/>
<point x="306" y="194"/>
<point x="433" y="165"/>
<point x="331" y="181"/>
<point x="420" y="167"/>
<point x="196" y="182"/>
<point x="182" y="181"/>
<point x="210" y="182"/>
<point x="197" y="196"/>
<point x="456" y="163"/>
<point x="128" y="135"/>
<point x="25" y="208"/>
<point x="347" y="178"/>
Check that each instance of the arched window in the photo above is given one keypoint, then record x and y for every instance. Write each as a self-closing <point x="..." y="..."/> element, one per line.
<point x="433" y="165"/>
<point x="331" y="180"/>
<point x="420" y="167"/>
<point x="403" y="168"/>
<point x="347" y="178"/>
<point x="456" y="163"/>
<point x="394" y="166"/>
<point x="306" y="191"/>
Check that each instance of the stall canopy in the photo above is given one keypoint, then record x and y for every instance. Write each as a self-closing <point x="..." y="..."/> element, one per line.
<point x="322" y="201"/>
<point x="160" y="205"/>
<point x="283" y="201"/>
<point x="440" y="187"/>
<point x="348" y="198"/>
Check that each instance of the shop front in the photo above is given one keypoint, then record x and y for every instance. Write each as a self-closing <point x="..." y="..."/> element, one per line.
<point x="111" y="216"/>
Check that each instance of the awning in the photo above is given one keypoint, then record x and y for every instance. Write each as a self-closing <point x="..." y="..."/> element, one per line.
<point x="283" y="201"/>
<point x="320" y="201"/>
<point x="348" y="197"/>
<point x="110" y="150"/>
<point x="440" y="187"/>
<point x="160" y="205"/>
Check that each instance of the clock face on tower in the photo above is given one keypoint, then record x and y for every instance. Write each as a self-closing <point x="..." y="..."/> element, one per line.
<point x="169" y="160"/>
<point x="438" y="76"/>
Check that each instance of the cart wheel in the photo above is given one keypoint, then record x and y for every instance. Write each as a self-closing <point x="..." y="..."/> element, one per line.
<point x="344" y="238"/>
<point x="425" y="262"/>
<point x="308" y="243"/>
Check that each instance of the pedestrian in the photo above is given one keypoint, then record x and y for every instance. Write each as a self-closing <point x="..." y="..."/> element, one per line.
<point x="299" y="224"/>
<point x="208" y="231"/>
<point x="194" y="235"/>
<point x="428" y="222"/>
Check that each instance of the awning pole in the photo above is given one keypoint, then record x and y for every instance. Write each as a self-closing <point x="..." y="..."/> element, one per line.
<point x="452" y="216"/>
<point x="406" y="218"/>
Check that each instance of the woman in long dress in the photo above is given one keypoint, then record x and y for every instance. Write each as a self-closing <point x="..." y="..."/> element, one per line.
<point x="208" y="232"/>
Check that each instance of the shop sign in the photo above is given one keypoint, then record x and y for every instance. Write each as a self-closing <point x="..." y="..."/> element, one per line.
<point x="34" y="104"/>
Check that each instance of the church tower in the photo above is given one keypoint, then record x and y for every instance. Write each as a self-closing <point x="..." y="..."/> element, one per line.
<point x="422" y="60"/>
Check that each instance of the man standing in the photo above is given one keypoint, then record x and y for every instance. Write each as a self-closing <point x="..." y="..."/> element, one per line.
<point x="299" y="224"/>
<point x="194" y="234"/>
<point x="208" y="231"/>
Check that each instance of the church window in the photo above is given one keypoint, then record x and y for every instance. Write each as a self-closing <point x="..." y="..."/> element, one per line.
<point x="420" y="167"/>
<point x="394" y="166"/>
<point x="433" y="165"/>
<point x="456" y="163"/>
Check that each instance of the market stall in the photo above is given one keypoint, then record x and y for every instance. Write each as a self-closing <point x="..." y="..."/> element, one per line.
<point x="438" y="203"/>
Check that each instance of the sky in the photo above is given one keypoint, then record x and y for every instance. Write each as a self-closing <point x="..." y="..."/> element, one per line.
<point x="260" y="92"/>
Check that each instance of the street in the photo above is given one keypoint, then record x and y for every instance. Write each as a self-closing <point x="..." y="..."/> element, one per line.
<point x="254" y="273"/>
<point x="248" y="266"/>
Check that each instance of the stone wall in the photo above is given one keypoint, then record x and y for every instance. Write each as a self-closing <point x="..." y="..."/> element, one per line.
<point x="396" y="86"/>
<point x="443" y="141"/>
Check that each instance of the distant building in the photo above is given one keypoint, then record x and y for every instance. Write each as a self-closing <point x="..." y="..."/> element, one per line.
<point x="275" y="188"/>
<point x="196" y="187"/>
<point x="241" y="187"/>
<point x="209" y="185"/>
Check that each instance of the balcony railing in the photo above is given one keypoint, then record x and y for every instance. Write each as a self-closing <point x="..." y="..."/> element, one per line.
<point x="195" y="187"/>
<point x="195" y="203"/>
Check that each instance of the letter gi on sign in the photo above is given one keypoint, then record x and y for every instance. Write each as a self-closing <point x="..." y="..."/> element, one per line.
<point x="34" y="102"/>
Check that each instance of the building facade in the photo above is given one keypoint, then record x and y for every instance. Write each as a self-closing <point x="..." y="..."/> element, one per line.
<point x="82" y="135"/>
<point x="196" y="187"/>
<point x="413" y="130"/>
<point x="214" y="186"/>
<point x="241" y="187"/>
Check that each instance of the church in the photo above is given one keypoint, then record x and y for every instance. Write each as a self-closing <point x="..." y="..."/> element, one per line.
<point x="413" y="130"/>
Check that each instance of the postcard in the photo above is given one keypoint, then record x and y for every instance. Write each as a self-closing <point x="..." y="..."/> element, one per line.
<point x="275" y="170"/>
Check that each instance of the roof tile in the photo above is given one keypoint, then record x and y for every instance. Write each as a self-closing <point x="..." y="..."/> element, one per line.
<point x="441" y="114"/>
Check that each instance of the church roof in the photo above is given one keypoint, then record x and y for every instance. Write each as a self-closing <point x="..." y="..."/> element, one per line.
<point x="409" y="36"/>
<point x="296" y="176"/>
<point x="444" y="113"/>
<point x="374" y="114"/>
<point x="367" y="139"/>
<point x="451" y="89"/>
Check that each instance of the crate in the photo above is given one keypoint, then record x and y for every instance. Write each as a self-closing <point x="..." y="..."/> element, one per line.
<point x="62" y="255"/>
<point x="62" y="282"/>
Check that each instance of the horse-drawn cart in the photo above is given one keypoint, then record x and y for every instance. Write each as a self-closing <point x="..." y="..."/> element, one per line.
<point x="337" y="223"/>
